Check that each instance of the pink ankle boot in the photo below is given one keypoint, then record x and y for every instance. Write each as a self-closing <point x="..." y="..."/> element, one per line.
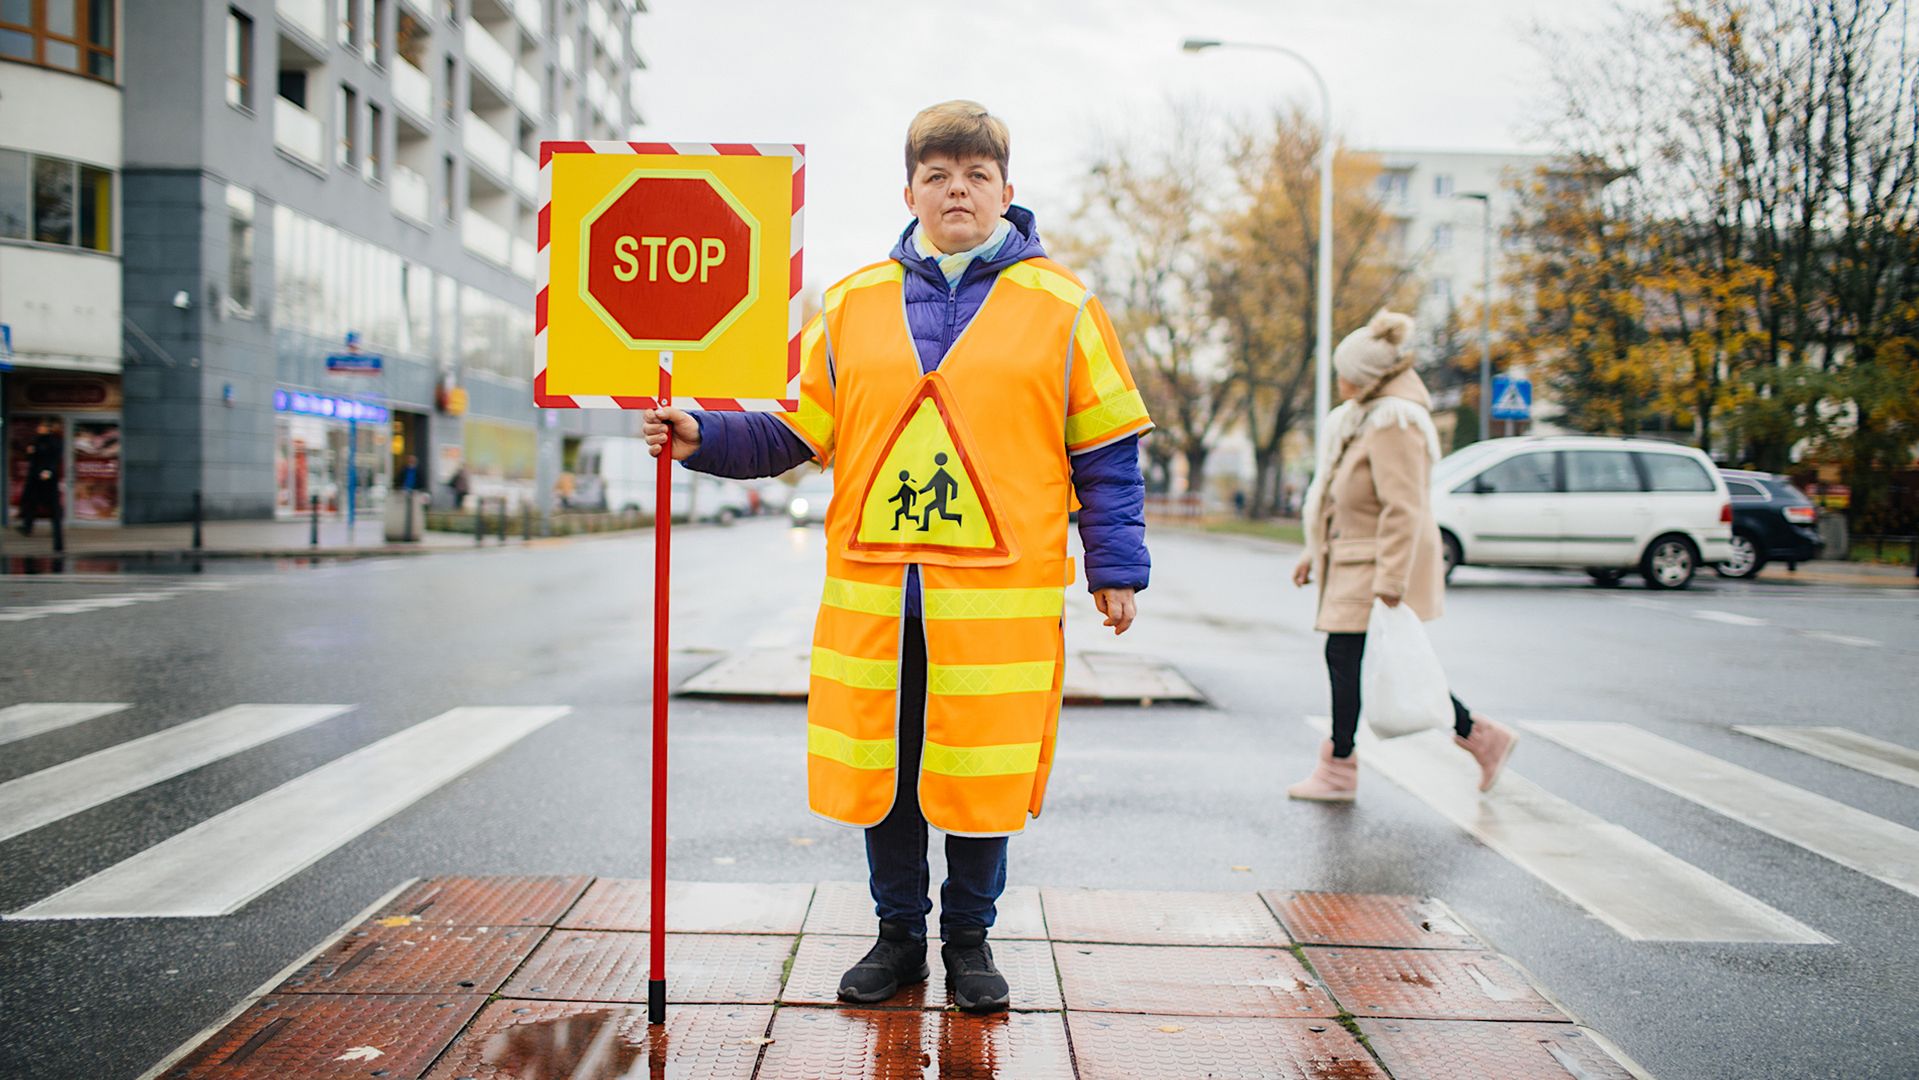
<point x="1490" y="744"/>
<point x="1333" y="779"/>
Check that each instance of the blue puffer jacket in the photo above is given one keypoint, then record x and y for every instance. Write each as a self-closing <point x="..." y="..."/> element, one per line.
<point x="1112" y="494"/>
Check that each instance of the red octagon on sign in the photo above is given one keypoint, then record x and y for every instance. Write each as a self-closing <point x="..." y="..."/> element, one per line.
<point x="670" y="258"/>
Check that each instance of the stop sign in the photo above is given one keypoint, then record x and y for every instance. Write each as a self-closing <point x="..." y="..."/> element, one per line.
<point x="670" y="259"/>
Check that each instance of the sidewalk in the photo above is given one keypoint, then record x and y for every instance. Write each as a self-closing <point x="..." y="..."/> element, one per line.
<point x="242" y="539"/>
<point x="540" y="978"/>
<point x="1833" y="572"/>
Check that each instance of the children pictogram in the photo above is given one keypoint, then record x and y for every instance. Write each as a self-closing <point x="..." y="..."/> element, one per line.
<point x="942" y="487"/>
<point x="906" y="496"/>
<point x="925" y="499"/>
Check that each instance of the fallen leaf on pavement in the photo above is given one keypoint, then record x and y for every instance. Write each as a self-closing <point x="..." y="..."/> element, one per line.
<point x="1172" y="1029"/>
<point x="361" y="1053"/>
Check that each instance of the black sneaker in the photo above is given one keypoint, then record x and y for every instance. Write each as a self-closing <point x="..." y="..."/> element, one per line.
<point x="977" y="985"/>
<point x="897" y="959"/>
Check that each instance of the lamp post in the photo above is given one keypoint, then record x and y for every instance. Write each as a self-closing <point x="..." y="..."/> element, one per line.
<point x="1485" y="201"/>
<point x="1323" y="304"/>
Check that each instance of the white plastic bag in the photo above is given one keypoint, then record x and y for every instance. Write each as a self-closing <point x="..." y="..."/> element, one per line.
<point x="1402" y="688"/>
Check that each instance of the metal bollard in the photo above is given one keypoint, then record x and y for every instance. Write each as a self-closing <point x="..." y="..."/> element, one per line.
<point x="409" y="534"/>
<point x="313" y="534"/>
<point x="198" y="513"/>
<point x="479" y="522"/>
<point x="59" y="522"/>
<point x="502" y="519"/>
<point x="526" y="521"/>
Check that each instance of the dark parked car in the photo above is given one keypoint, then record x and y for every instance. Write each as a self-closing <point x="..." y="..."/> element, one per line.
<point x="1772" y="521"/>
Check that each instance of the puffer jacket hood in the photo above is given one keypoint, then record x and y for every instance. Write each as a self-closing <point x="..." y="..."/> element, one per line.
<point x="937" y="314"/>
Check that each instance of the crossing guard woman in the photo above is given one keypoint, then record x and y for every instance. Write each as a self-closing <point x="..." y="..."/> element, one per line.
<point x="965" y="392"/>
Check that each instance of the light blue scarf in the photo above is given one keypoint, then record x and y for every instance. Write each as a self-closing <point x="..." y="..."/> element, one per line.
<point x="952" y="266"/>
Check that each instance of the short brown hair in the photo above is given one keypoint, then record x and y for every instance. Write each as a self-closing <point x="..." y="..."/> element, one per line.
<point x="960" y="129"/>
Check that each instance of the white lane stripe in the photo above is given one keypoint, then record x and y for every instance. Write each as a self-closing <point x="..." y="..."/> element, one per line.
<point x="221" y="864"/>
<point x="25" y="721"/>
<point x="1728" y="618"/>
<point x="1625" y="881"/>
<point x="1840" y="639"/>
<point x="85" y="782"/>
<point x="1846" y="747"/>
<point x="1873" y="846"/>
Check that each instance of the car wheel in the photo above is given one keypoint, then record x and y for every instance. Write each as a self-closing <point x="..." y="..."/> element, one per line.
<point x="727" y="515"/>
<point x="1449" y="552"/>
<point x="1605" y="577"/>
<point x="1669" y="563"/>
<point x="1746" y="560"/>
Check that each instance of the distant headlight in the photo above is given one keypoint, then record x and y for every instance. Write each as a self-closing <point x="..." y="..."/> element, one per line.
<point x="799" y="508"/>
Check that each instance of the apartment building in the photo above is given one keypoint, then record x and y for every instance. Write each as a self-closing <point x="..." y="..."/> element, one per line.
<point x="329" y="262"/>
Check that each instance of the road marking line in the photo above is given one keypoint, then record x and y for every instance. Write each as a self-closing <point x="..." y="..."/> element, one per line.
<point x="1728" y="618"/>
<point x="25" y="721"/>
<point x="1625" y="881"/>
<point x="82" y="605"/>
<point x="220" y="865"/>
<point x="1880" y="849"/>
<point x="1846" y="747"/>
<point x="46" y="796"/>
<point x="1840" y="639"/>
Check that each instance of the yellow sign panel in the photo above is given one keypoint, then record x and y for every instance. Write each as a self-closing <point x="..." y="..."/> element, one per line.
<point x="926" y="500"/>
<point x="687" y="254"/>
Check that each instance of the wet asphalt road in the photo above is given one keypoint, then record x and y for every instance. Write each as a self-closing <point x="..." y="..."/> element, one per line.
<point x="1168" y="797"/>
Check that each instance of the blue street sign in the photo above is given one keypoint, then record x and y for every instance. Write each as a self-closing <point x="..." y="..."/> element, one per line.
<point x="1512" y="398"/>
<point x="353" y="363"/>
<point x="6" y="346"/>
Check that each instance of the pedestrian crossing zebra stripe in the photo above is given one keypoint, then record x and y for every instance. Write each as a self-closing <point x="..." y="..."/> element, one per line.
<point x="1624" y="880"/>
<point x="1842" y="746"/>
<point x="1880" y="849"/>
<point x="82" y="605"/>
<point x="37" y="718"/>
<point x="223" y="863"/>
<point x="43" y="797"/>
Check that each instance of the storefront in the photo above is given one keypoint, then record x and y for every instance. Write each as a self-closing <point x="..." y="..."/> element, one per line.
<point x="78" y="417"/>
<point x="334" y="449"/>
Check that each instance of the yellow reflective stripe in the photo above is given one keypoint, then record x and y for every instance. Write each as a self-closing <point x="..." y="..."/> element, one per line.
<point x="853" y="753"/>
<point x="1113" y="414"/>
<point x="862" y="597"/>
<point x="876" y="275"/>
<point x="1100" y="369"/>
<point x="857" y="672"/>
<point x="971" y="680"/>
<point x="1010" y="759"/>
<point x="995" y="603"/>
<point x="814" y="422"/>
<point x="1052" y="281"/>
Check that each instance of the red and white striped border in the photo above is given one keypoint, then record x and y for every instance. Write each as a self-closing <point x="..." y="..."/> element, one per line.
<point x="794" y="323"/>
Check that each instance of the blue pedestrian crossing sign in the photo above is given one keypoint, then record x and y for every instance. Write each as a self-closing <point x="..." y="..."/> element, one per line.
<point x="1512" y="398"/>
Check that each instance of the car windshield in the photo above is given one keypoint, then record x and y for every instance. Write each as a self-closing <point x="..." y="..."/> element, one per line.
<point x="1461" y="459"/>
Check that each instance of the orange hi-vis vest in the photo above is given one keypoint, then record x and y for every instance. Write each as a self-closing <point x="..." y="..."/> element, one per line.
<point x="967" y="473"/>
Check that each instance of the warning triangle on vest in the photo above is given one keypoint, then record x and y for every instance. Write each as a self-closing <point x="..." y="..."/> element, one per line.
<point x="926" y="500"/>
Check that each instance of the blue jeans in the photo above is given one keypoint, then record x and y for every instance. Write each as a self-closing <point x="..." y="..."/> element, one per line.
<point x="896" y="847"/>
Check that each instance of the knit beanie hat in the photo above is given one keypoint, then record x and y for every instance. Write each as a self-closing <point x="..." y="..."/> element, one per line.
<point x="1371" y="354"/>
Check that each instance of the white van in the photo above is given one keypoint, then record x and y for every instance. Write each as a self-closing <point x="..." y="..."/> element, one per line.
<point x="616" y="473"/>
<point x="1608" y="506"/>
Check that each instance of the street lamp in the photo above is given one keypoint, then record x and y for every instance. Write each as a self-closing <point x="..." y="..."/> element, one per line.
<point x="1485" y="201"/>
<point x="1323" y="304"/>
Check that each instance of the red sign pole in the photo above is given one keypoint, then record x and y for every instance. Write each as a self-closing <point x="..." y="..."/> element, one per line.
<point x="662" y="577"/>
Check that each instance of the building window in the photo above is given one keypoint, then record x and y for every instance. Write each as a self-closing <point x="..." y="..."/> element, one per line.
<point x="72" y="35"/>
<point x="239" y="60"/>
<point x="350" y="23"/>
<point x="16" y="193"/>
<point x="1443" y="185"/>
<point x="96" y="209"/>
<point x="452" y="84"/>
<point x="52" y="200"/>
<point x="375" y="139"/>
<point x="1442" y="237"/>
<point x="1442" y="291"/>
<point x="349" y="118"/>
<point x="376" y="40"/>
<point x="239" y="251"/>
<point x="447" y="202"/>
<point x="1392" y="186"/>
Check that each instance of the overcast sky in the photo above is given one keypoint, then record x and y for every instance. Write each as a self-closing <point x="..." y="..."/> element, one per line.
<point x="845" y="77"/>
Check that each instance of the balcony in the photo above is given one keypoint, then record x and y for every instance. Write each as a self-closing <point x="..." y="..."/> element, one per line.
<point x="413" y="92"/>
<point x="299" y="133"/>
<point x="486" y="238"/>
<point x="488" y="57"/>
<point x="412" y="197"/>
<point x="526" y="175"/>
<point x="487" y="147"/>
<point x="526" y="93"/>
<point x="525" y="263"/>
<point x="528" y="12"/>
<point x="306" y="16"/>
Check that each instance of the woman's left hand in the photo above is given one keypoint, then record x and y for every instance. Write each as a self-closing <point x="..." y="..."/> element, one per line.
<point x="1118" y="606"/>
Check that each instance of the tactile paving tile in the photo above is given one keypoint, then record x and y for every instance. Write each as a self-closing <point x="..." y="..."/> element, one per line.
<point x="485" y="901"/>
<point x="1188" y="981"/>
<point x="692" y="907"/>
<point x="330" y="1037"/>
<point x="1160" y="918"/>
<point x="1370" y="920"/>
<point x="416" y="960"/>
<point x="894" y="1044"/>
<point x="1109" y="1046"/>
<point x="1470" y="1050"/>
<point x="591" y="965"/>
<point x="1430" y="985"/>
<point x="846" y="907"/>
<point x="562" y="1040"/>
<point x="1027" y="965"/>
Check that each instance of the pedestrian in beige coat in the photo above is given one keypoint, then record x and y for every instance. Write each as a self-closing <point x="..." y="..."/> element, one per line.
<point x="1370" y="535"/>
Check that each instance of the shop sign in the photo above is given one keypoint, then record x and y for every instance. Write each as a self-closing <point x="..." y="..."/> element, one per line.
<point x="353" y="361"/>
<point x="66" y="393"/>
<point x="302" y="403"/>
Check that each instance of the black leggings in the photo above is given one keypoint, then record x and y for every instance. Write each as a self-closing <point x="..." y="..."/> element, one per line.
<point x="1343" y="653"/>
